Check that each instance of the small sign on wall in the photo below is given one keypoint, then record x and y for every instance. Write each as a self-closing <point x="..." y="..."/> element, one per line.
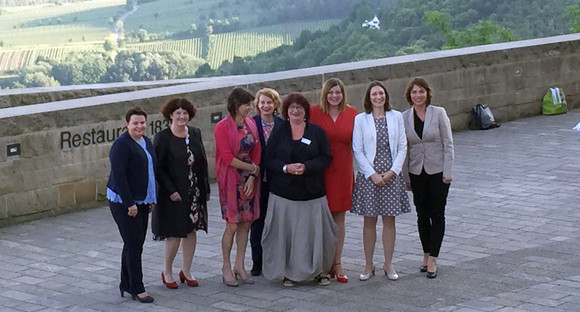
<point x="13" y="149"/>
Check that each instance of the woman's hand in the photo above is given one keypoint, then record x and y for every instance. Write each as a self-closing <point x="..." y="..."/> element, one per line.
<point x="387" y="176"/>
<point x="408" y="185"/>
<point x="249" y="186"/>
<point x="446" y="180"/>
<point x="132" y="211"/>
<point x="377" y="180"/>
<point x="175" y="197"/>
<point x="295" y="169"/>
<point x="255" y="169"/>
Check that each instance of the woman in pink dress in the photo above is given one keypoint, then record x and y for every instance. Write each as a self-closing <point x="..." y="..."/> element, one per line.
<point x="237" y="169"/>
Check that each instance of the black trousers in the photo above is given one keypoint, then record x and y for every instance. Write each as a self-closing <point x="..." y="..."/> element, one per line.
<point x="258" y="225"/>
<point x="430" y="198"/>
<point x="133" y="231"/>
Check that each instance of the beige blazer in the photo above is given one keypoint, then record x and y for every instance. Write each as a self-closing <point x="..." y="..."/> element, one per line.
<point x="435" y="151"/>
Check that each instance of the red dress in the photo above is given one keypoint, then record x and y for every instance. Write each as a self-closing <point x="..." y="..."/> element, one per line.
<point x="339" y="175"/>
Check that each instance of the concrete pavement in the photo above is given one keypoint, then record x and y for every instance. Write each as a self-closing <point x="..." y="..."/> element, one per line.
<point x="512" y="244"/>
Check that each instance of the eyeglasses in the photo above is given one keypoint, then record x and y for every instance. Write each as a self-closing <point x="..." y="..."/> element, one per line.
<point x="296" y="107"/>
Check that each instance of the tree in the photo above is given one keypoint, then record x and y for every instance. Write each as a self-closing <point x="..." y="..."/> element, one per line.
<point x="573" y="12"/>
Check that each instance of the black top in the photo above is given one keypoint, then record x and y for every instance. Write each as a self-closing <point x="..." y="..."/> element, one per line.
<point x="130" y="168"/>
<point x="419" y="124"/>
<point x="172" y="218"/>
<point x="312" y="150"/>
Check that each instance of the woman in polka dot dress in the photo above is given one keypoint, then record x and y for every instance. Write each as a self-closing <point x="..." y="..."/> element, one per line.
<point x="380" y="146"/>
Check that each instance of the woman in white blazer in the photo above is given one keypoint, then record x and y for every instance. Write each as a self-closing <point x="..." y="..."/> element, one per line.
<point x="430" y="165"/>
<point x="379" y="147"/>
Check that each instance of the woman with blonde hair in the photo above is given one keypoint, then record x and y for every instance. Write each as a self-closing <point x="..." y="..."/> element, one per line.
<point x="337" y="119"/>
<point x="267" y="104"/>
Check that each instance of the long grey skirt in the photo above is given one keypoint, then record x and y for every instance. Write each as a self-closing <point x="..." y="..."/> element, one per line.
<point x="299" y="239"/>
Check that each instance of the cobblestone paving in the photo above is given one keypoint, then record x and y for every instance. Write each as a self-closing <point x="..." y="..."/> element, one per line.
<point x="512" y="244"/>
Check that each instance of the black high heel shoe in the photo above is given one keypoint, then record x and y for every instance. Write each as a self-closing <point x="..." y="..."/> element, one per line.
<point x="146" y="299"/>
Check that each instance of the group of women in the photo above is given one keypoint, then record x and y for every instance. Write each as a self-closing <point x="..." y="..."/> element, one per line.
<point x="285" y="182"/>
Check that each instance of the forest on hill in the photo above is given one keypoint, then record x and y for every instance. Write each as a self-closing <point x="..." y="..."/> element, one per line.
<point x="413" y="26"/>
<point x="406" y="27"/>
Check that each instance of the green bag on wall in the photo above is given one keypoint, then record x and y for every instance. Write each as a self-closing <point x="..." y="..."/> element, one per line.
<point x="554" y="102"/>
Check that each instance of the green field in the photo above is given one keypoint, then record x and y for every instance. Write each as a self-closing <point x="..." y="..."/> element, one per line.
<point x="31" y="26"/>
<point x="53" y="31"/>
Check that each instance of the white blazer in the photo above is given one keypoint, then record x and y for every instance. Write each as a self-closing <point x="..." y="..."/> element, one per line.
<point x="364" y="141"/>
<point x="434" y="152"/>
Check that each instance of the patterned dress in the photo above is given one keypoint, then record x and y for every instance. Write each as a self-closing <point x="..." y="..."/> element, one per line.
<point x="389" y="200"/>
<point x="198" y="214"/>
<point x="245" y="205"/>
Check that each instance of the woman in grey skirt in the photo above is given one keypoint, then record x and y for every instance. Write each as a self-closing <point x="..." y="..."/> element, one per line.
<point x="299" y="235"/>
<point x="380" y="146"/>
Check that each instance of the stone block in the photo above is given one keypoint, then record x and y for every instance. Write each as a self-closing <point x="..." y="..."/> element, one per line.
<point x="85" y="191"/>
<point x="102" y="189"/>
<point x="11" y="182"/>
<point x="45" y="199"/>
<point x="19" y="204"/>
<point x="3" y="208"/>
<point x="38" y="144"/>
<point x="69" y="173"/>
<point x="66" y="194"/>
<point x="37" y="179"/>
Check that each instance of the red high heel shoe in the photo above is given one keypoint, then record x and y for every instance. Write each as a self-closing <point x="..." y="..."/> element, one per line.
<point x="341" y="278"/>
<point x="172" y="285"/>
<point x="190" y="283"/>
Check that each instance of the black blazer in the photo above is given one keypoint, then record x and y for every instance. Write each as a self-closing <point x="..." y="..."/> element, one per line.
<point x="315" y="156"/>
<point x="172" y="170"/>
<point x="129" y="175"/>
<point x="258" y="120"/>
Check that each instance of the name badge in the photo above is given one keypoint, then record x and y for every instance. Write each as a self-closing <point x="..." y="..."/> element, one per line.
<point x="305" y="141"/>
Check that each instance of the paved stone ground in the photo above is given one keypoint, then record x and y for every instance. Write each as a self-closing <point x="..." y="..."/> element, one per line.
<point x="512" y="244"/>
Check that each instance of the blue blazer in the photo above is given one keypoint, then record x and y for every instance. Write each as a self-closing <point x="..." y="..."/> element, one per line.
<point x="129" y="169"/>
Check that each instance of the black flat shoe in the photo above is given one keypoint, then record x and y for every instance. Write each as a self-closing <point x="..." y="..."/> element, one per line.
<point x="256" y="269"/>
<point x="431" y="275"/>
<point x="147" y="299"/>
<point x="423" y="268"/>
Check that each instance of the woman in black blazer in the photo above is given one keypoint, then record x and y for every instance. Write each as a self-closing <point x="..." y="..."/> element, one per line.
<point x="267" y="103"/>
<point x="299" y="236"/>
<point x="131" y="191"/>
<point x="183" y="189"/>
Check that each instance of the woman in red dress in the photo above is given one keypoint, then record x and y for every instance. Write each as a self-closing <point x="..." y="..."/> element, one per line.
<point x="337" y="119"/>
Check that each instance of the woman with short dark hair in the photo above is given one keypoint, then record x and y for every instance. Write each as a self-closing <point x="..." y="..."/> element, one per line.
<point x="299" y="236"/>
<point x="131" y="192"/>
<point x="183" y="189"/>
<point x="237" y="159"/>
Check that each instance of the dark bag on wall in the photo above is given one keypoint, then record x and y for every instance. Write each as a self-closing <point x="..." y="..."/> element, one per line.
<point x="483" y="117"/>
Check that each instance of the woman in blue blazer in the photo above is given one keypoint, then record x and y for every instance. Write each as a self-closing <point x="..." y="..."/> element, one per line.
<point x="430" y="166"/>
<point x="131" y="191"/>
<point x="267" y="104"/>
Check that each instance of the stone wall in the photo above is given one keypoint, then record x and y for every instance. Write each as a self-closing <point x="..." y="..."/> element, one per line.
<point x="63" y="165"/>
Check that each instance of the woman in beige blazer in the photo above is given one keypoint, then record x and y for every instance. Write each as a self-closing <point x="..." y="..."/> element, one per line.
<point x="429" y="166"/>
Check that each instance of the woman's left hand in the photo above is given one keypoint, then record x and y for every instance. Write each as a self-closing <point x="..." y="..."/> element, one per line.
<point x="387" y="176"/>
<point x="446" y="180"/>
<point x="249" y="186"/>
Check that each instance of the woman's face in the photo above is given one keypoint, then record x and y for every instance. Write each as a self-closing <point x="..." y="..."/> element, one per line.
<point x="296" y="112"/>
<point x="179" y="117"/>
<point x="136" y="126"/>
<point x="334" y="96"/>
<point x="266" y="106"/>
<point x="378" y="97"/>
<point x="418" y="95"/>
<point x="244" y="109"/>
